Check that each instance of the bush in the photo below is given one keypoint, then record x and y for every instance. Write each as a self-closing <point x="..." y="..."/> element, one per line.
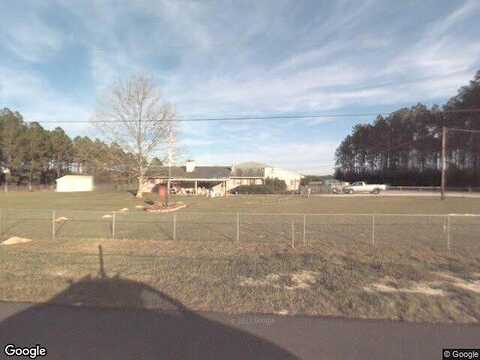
<point x="252" y="189"/>
<point x="272" y="186"/>
<point x="277" y="186"/>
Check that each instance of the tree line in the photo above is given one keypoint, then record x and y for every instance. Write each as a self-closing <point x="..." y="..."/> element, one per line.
<point x="133" y="118"/>
<point x="35" y="155"/>
<point x="404" y="148"/>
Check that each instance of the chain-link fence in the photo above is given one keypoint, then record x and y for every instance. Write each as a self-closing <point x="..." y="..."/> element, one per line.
<point x="442" y="232"/>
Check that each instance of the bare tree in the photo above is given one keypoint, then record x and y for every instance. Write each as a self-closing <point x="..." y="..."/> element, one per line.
<point x="133" y="115"/>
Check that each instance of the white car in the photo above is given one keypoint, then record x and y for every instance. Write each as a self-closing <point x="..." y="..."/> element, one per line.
<point x="362" y="187"/>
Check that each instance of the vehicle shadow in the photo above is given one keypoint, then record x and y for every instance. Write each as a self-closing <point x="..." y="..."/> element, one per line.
<point x="136" y="321"/>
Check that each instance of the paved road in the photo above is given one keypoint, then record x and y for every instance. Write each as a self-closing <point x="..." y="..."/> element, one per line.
<point x="74" y="332"/>
<point x="398" y="193"/>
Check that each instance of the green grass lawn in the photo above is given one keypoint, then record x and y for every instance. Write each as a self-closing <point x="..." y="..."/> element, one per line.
<point x="111" y="201"/>
<point x="97" y="200"/>
<point x="334" y="269"/>
<point x="261" y="219"/>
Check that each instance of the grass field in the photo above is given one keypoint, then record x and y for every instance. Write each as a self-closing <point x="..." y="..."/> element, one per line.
<point x="407" y="274"/>
<point x="111" y="201"/>
<point x="271" y="219"/>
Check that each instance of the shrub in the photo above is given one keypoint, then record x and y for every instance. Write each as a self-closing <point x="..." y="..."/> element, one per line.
<point x="272" y="186"/>
<point x="252" y="189"/>
<point x="277" y="186"/>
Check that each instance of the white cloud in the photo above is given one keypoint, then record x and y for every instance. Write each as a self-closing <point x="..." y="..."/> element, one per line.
<point x="307" y="158"/>
<point x="437" y="52"/>
<point x="44" y="103"/>
<point x="470" y="8"/>
<point x="214" y="59"/>
<point x="29" y="37"/>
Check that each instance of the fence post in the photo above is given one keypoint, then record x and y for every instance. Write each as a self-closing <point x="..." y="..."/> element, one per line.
<point x="174" y="227"/>
<point x="293" y="234"/>
<point x="448" y="233"/>
<point x="238" y="227"/>
<point x="3" y="222"/>
<point x="373" y="230"/>
<point x="304" y="230"/>
<point x="53" y="225"/>
<point x="113" y="225"/>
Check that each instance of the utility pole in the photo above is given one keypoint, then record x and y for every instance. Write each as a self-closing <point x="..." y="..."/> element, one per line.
<point x="172" y="140"/>
<point x="168" y="182"/>
<point x="444" y="161"/>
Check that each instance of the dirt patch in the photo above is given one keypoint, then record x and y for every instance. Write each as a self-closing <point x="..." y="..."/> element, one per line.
<point x="302" y="280"/>
<point x="299" y="280"/>
<point x="269" y="280"/>
<point x="16" y="240"/>
<point x="473" y="285"/>
<point x="388" y="286"/>
<point x="156" y="208"/>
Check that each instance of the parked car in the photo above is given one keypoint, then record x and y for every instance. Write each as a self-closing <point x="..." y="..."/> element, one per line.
<point x="363" y="187"/>
<point x="336" y="187"/>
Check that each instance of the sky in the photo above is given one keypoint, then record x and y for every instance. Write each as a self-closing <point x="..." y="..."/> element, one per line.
<point x="230" y="58"/>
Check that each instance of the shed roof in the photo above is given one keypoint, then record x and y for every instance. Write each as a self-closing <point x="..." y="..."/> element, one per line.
<point x="75" y="177"/>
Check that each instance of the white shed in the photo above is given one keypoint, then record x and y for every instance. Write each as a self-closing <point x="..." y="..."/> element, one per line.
<point x="71" y="183"/>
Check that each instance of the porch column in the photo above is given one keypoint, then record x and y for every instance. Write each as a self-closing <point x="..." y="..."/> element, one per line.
<point x="196" y="187"/>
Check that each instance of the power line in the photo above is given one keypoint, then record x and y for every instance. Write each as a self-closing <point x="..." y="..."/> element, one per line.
<point x="232" y="118"/>
<point x="249" y="118"/>
<point x="463" y="130"/>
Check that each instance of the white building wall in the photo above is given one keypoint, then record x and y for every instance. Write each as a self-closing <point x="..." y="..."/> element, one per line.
<point x="291" y="178"/>
<point x="237" y="181"/>
<point x="74" y="183"/>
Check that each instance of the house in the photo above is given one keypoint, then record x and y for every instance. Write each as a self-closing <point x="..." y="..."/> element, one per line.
<point x="192" y="179"/>
<point x="248" y="173"/>
<point x="189" y="179"/>
<point x="317" y="187"/>
<point x="256" y="171"/>
<point x="73" y="183"/>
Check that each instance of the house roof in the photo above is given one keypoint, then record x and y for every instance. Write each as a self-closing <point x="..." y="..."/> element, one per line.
<point x="200" y="172"/>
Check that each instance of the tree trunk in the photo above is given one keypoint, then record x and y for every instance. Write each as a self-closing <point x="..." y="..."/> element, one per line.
<point x="141" y="180"/>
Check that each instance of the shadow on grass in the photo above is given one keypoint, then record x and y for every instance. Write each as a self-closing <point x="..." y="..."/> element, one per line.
<point x="117" y="318"/>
